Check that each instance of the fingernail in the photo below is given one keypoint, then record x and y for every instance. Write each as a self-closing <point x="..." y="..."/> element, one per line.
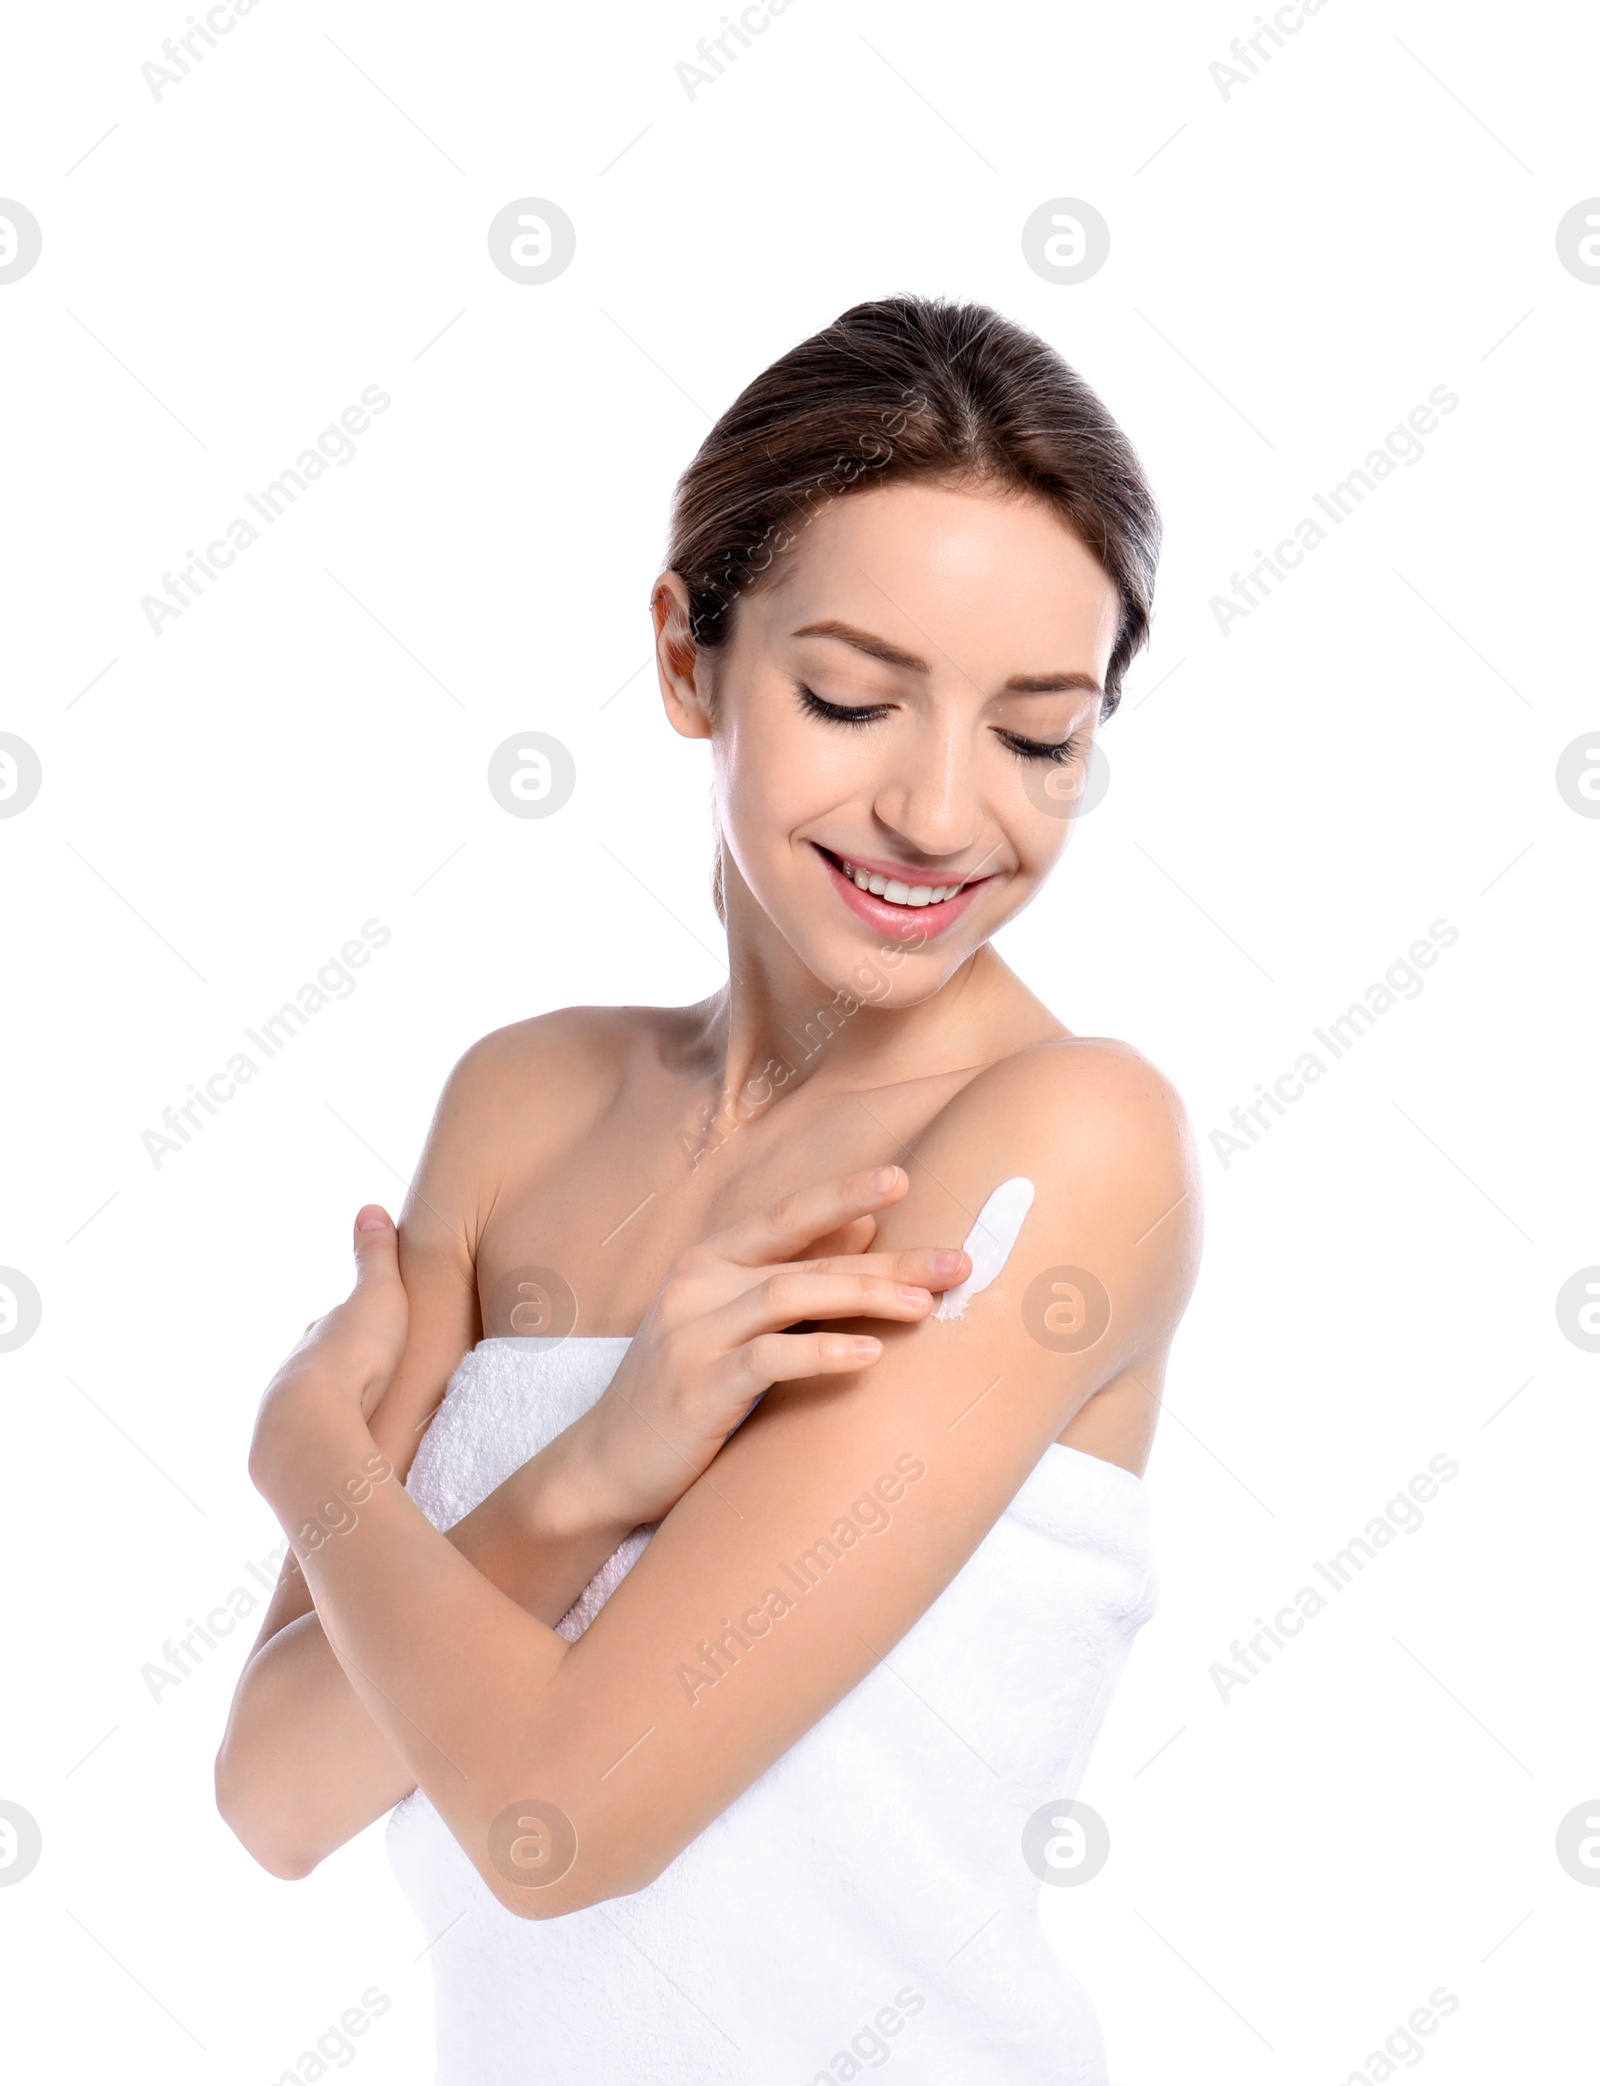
<point x="866" y="1348"/>
<point x="945" y="1262"/>
<point x="372" y="1220"/>
<point x="913" y="1295"/>
<point x="885" y="1177"/>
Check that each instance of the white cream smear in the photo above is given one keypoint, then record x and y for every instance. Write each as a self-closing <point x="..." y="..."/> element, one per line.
<point x="990" y="1242"/>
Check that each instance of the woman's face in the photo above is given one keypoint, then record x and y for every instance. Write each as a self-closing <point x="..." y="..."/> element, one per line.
<point x="902" y="722"/>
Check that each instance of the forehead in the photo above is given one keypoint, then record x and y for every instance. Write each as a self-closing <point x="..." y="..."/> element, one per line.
<point x="995" y="578"/>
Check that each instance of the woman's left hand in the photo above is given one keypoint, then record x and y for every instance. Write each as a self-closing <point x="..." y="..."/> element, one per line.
<point x="343" y="1363"/>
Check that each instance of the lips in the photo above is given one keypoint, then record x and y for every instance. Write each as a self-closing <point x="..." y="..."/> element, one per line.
<point x="902" y="918"/>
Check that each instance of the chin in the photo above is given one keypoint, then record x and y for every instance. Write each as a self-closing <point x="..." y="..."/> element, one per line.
<point x="876" y="970"/>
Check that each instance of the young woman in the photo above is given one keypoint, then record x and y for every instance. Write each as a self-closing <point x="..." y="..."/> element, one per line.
<point x="717" y="1514"/>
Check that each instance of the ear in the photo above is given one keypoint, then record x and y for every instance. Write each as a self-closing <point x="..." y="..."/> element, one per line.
<point x="684" y="669"/>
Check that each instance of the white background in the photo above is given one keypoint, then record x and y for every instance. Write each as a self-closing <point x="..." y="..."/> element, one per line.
<point x="1292" y="269"/>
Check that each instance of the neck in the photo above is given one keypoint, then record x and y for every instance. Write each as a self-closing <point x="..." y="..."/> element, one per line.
<point x="777" y="1026"/>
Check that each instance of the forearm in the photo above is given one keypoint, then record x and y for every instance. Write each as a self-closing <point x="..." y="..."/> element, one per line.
<point x="453" y="1671"/>
<point x="545" y="1532"/>
<point x="303" y="1766"/>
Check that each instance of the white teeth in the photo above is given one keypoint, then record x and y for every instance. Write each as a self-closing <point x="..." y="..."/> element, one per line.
<point x="893" y="890"/>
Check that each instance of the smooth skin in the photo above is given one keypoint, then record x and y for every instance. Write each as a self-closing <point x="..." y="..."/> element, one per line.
<point x="767" y="1191"/>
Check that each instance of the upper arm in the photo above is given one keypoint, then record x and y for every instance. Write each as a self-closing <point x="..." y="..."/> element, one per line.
<point x="923" y="1452"/>
<point x="483" y="1132"/>
<point x="437" y="1232"/>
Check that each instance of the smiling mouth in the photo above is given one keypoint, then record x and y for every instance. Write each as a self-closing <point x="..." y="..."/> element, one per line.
<point x="896" y="891"/>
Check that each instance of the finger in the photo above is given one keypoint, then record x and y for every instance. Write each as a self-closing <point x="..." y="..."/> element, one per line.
<point x="936" y="1267"/>
<point x="854" y="1237"/>
<point x="376" y="1246"/>
<point x="365" y="1335"/>
<point x="783" y="1357"/>
<point x="793" y="1298"/>
<point x="785" y="1228"/>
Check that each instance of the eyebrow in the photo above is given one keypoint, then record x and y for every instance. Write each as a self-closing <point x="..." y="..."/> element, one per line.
<point x="908" y="662"/>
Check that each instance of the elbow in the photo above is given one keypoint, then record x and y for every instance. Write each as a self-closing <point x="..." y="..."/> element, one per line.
<point x="534" y="1876"/>
<point x="555" y="1901"/>
<point x="280" y="1861"/>
<point x="266" y="1840"/>
<point x="524" y="1905"/>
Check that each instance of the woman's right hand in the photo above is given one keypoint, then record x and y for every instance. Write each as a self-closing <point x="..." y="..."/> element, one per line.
<point x="712" y="1342"/>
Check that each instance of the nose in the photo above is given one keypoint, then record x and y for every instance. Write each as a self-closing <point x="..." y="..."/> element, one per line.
<point x="928" y="798"/>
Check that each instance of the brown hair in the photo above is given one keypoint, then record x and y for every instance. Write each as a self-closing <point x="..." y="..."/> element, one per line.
<point x="910" y="388"/>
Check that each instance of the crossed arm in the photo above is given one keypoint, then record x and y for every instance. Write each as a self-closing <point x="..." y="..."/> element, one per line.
<point x="705" y="1665"/>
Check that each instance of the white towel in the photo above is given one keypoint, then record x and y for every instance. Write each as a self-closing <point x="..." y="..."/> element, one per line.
<point x="873" y="1876"/>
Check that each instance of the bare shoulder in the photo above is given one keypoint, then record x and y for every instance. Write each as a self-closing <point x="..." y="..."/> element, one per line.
<point x="519" y="1097"/>
<point x="512" y="1103"/>
<point x="1104" y="1140"/>
<point x="1093" y="1098"/>
<point x="569" y="1042"/>
<point x="572" y="1063"/>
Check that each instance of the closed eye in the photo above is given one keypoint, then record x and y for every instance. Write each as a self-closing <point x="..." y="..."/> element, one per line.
<point x="1062" y="752"/>
<point x="840" y="713"/>
<point x="856" y="715"/>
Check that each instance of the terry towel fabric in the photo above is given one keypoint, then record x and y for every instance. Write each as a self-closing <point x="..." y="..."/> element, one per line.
<point x="873" y="1875"/>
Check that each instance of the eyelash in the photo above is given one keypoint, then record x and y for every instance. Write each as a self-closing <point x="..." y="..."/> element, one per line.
<point x="856" y="719"/>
